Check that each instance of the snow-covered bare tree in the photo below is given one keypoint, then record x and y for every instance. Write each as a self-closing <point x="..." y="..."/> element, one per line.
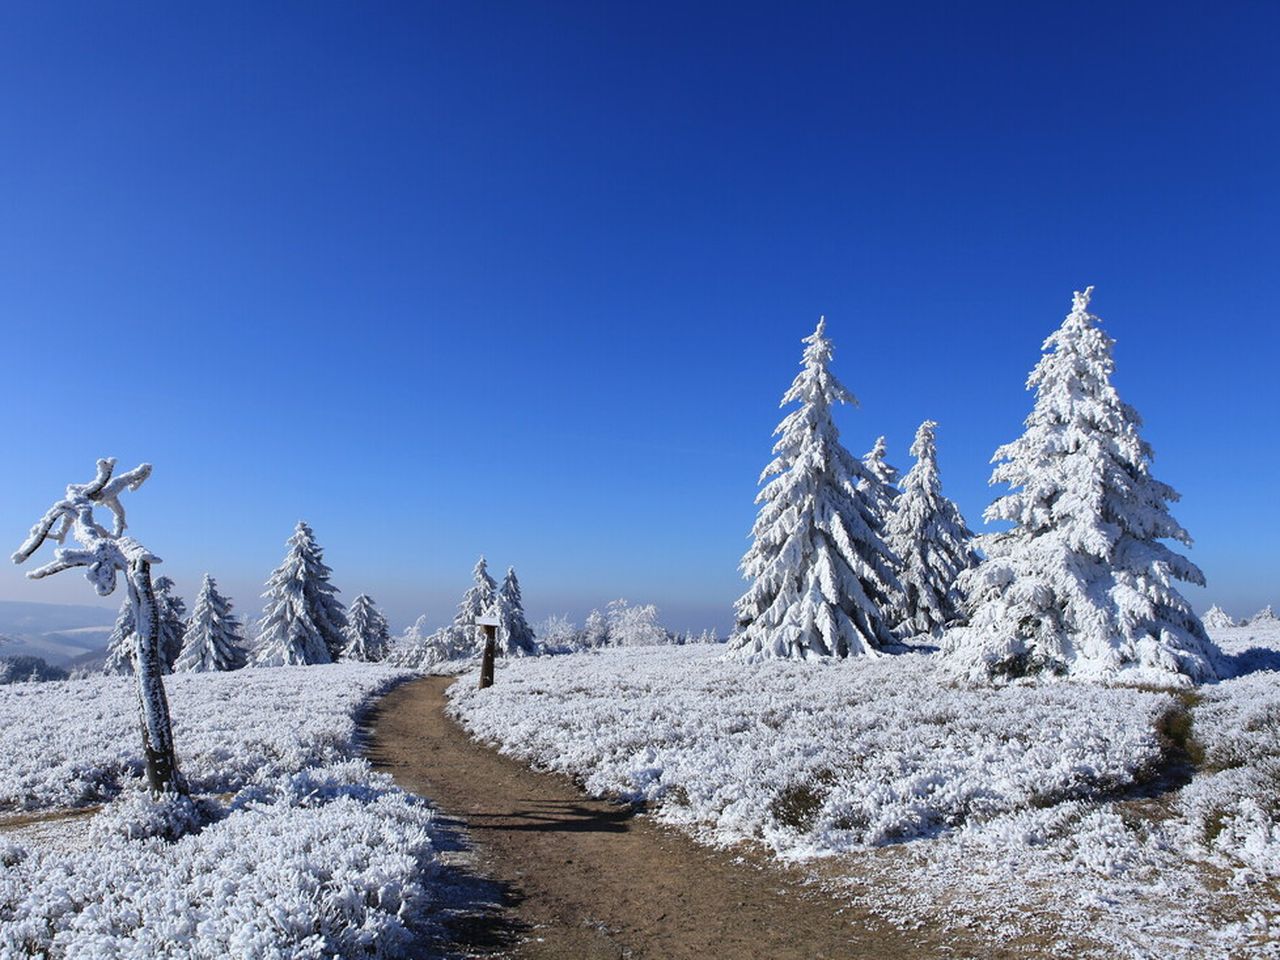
<point x="1215" y="618"/>
<point x="120" y="642"/>
<point x="213" y="638"/>
<point x="105" y="554"/>
<point x="595" y="631"/>
<point x="173" y="621"/>
<point x="933" y="544"/>
<point x="515" y="637"/>
<point x="558" y="634"/>
<point x="1082" y="583"/>
<point x="636" y="626"/>
<point x="368" y="636"/>
<point x="820" y="572"/>
<point x="302" y="622"/>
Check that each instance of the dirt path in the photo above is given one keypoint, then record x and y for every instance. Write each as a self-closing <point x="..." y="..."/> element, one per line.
<point x="574" y="878"/>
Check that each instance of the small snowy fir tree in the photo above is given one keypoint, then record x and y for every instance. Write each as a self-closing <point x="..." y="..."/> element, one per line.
<point x="213" y="640"/>
<point x="1215" y="618"/>
<point x="515" y="637"/>
<point x="595" y="631"/>
<point x="928" y="535"/>
<point x="880" y="487"/>
<point x="819" y="570"/>
<point x="1263" y="617"/>
<point x="173" y="621"/>
<point x="478" y="600"/>
<point x="1082" y="583"/>
<point x="368" y="636"/>
<point x="302" y="622"/>
<point x="120" y="642"/>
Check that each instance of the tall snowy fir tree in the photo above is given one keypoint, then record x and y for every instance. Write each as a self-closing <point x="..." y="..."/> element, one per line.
<point x="515" y="636"/>
<point x="172" y="623"/>
<point x="213" y="639"/>
<point x="302" y="622"/>
<point x="933" y="544"/>
<point x="368" y="636"/>
<point x="819" y="570"/>
<point x="120" y="642"/>
<point x="879" y="489"/>
<point x="1082" y="583"/>
<point x="478" y="600"/>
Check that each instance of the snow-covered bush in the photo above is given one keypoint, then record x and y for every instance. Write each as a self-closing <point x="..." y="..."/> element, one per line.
<point x="730" y="746"/>
<point x="635" y="626"/>
<point x="330" y="861"/>
<point x="1215" y="618"/>
<point x="447" y="649"/>
<point x="1083" y="582"/>
<point x="21" y="669"/>
<point x="820" y="574"/>
<point x="68" y="744"/>
<point x="559" y="634"/>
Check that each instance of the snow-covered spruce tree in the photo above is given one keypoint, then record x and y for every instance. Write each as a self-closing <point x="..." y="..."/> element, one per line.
<point x="302" y="622"/>
<point x="933" y="544"/>
<point x="515" y="636"/>
<point x="213" y="638"/>
<point x="104" y="554"/>
<point x="173" y="621"/>
<point x="120" y="642"/>
<point x="1264" y="616"/>
<point x="368" y="636"/>
<point x="478" y="600"/>
<point x="1082" y="583"/>
<point x="819" y="570"/>
<point x="1215" y="618"/>
<point x="880" y="488"/>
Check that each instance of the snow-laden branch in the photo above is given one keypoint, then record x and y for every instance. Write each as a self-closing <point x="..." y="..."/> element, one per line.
<point x="104" y="552"/>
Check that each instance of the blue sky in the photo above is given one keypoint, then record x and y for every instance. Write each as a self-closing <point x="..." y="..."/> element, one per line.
<point x="529" y="279"/>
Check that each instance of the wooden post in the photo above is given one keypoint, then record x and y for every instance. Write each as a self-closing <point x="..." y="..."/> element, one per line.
<point x="490" y="649"/>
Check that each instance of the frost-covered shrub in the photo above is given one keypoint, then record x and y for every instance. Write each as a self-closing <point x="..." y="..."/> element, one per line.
<point x="66" y="744"/>
<point x="909" y="755"/>
<point x="635" y="626"/>
<point x="332" y="861"/>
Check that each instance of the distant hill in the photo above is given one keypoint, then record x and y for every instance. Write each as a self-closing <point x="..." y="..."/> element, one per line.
<point x="58" y="632"/>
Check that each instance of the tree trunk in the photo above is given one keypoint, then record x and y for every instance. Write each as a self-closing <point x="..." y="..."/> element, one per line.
<point x="153" y="706"/>
<point x="486" y="664"/>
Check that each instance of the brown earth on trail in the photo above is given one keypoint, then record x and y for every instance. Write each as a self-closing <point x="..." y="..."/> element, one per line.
<point x="562" y="875"/>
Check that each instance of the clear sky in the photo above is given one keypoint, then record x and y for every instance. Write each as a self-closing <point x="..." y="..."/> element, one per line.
<point x="529" y="279"/>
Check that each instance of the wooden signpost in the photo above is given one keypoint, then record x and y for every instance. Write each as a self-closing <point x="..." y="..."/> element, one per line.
<point x="490" y="627"/>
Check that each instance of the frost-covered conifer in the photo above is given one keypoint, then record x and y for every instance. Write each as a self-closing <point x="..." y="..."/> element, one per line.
<point x="302" y="622"/>
<point x="1082" y="583"/>
<point x="213" y="638"/>
<point x="880" y="489"/>
<point x="172" y="623"/>
<point x="1216" y="618"/>
<point x="819" y="570"/>
<point x="120" y="642"/>
<point x="478" y="600"/>
<point x="1264" y="616"/>
<point x="368" y="636"/>
<point x="933" y="544"/>
<point x="515" y="637"/>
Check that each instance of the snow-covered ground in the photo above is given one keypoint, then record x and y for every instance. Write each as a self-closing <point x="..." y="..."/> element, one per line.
<point x="924" y="798"/>
<point x="314" y="855"/>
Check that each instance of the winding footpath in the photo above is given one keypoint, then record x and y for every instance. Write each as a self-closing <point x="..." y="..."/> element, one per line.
<point x="574" y="878"/>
